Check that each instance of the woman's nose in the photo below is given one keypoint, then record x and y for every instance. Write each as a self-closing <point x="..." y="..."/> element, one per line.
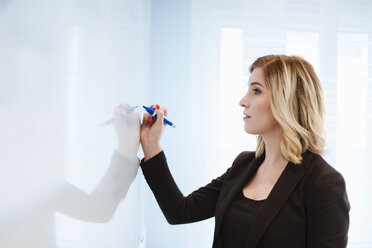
<point x="243" y="102"/>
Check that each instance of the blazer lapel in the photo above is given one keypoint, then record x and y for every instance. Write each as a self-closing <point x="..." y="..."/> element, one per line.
<point x="285" y="185"/>
<point x="232" y="187"/>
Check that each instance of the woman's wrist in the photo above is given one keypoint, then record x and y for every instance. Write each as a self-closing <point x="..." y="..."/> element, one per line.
<point x="151" y="152"/>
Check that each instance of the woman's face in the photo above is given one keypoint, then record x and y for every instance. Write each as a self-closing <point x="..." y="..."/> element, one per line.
<point x="258" y="117"/>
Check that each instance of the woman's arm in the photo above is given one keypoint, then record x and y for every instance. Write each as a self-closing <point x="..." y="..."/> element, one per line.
<point x="328" y="212"/>
<point x="177" y="208"/>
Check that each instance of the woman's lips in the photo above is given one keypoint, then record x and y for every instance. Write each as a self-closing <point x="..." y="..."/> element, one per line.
<point x="246" y="117"/>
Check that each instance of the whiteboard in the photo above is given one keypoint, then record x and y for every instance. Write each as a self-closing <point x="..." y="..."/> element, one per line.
<point x="64" y="65"/>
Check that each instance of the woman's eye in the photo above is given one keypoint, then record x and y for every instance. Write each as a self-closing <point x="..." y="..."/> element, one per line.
<point x="256" y="91"/>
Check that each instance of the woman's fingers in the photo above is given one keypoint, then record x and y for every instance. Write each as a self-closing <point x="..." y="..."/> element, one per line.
<point x="165" y="110"/>
<point x="159" y="119"/>
<point x="146" y="120"/>
<point x="156" y="106"/>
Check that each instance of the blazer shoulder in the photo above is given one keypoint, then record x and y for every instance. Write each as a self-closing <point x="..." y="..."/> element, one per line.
<point x="243" y="157"/>
<point x="241" y="161"/>
<point x="323" y="173"/>
<point x="326" y="185"/>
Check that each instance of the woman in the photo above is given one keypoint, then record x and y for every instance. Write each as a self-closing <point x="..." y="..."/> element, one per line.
<point x="282" y="195"/>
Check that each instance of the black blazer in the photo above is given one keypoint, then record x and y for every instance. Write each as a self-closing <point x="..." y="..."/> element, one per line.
<point x="307" y="207"/>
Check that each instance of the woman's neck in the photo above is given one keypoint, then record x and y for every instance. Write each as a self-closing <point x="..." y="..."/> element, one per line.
<point x="273" y="153"/>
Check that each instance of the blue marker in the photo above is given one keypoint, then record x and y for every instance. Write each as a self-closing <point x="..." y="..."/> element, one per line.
<point x="153" y="113"/>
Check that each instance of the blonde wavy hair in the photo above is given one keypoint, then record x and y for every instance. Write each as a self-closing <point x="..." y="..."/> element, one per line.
<point x="297" y="104"/>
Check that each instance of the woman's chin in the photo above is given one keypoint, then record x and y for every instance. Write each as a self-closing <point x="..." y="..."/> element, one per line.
<point x="249" y="130"/>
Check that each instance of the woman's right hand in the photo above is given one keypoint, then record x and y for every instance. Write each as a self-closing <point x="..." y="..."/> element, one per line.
<point x="151" y="130"/>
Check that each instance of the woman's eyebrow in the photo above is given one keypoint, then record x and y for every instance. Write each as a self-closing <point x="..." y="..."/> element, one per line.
<point x="257" y="83"/>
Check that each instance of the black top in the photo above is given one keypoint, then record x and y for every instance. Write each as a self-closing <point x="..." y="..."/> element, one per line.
<point x="238" y="219"/>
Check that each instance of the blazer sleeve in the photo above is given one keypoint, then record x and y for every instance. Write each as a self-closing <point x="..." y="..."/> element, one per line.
<point x="328" y="212"/>
<point x="177" y="208"/>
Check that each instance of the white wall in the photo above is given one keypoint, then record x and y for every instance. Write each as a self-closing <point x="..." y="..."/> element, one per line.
<point x="334" y="35"/>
